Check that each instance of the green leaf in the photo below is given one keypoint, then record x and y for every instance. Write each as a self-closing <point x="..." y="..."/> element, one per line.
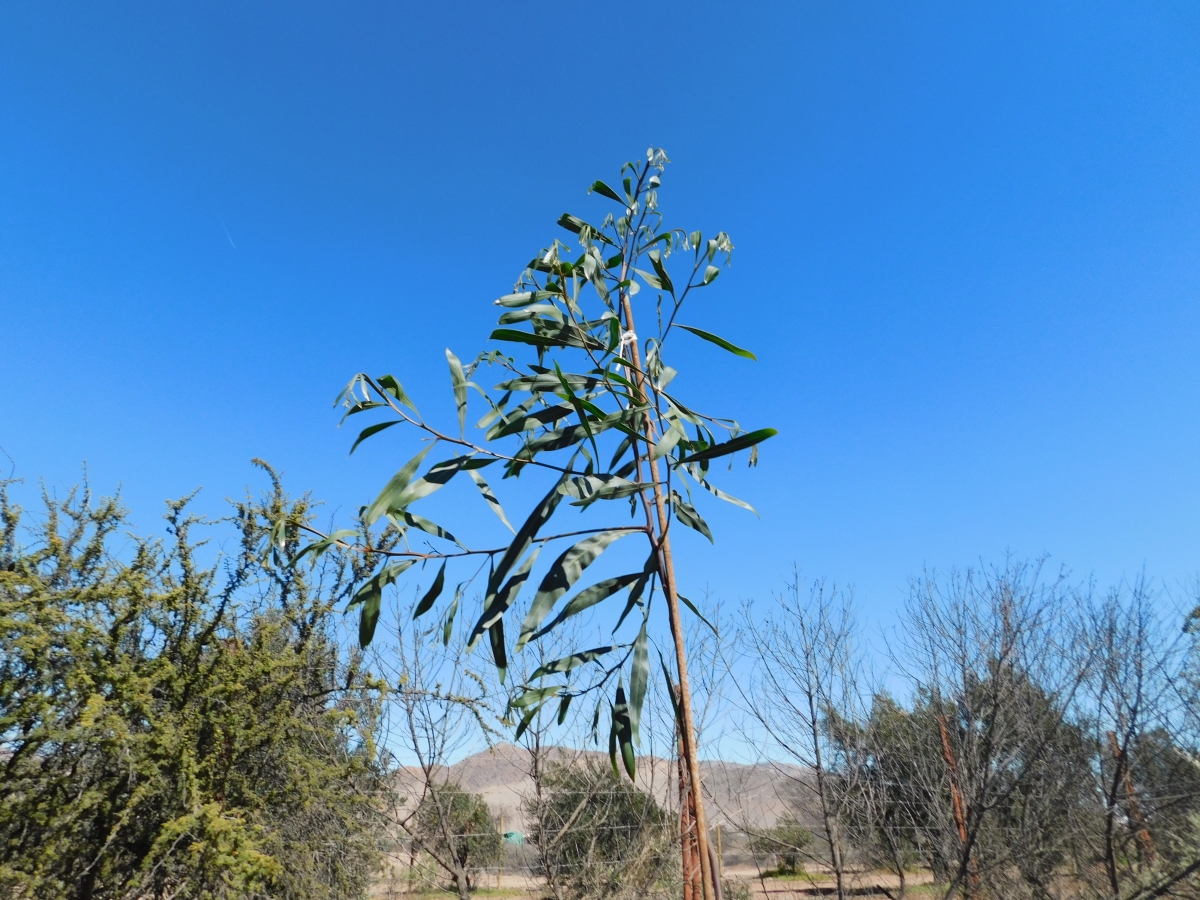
<point x="490" y="498"/>
<point x="710" y="275"/>
<point x="563" y="705"/>
<point x="526" y="721"/>
<point x="663" y="277"/>
<point x="639" y="676"/>
<point x="639" y="586"/>
<point x="496" y="605"/>
<point x="687" y="514"/>
<point x="512" y="336"/>
<point x="317" y="548"/>
<point x="668" y="441"/>
<point x="731" y="446"/>
<point x="578" y="407"/>
<point x="605" y="191"/>
<point x="563" y="574"/>
<point x="534" y="696"/>
<point x="520" y="545"/>
<point x="588" y="488"/>
<point x="391" y="386"/>
<point x="496" y="639"/>
<point x="370" y="597"/>
<point x="423" y="524"/>
<point x="372" y="429"/>
<point x="448" y="628"/>
<point x="435" y="591"/>
<point x="436" y="478"/>
<point x="527" y="423"/>
<point x="719" y="341"/>
<point x="395" y="487"/>
<point x="694" y="471"/>
<point x="545" y="383"/>
<point x="588" y="598"/>
<point x="459" y="379"/>
<point x="567" y="663"/>
<point x="692" y="606"/>
<point x="622" y="735"/>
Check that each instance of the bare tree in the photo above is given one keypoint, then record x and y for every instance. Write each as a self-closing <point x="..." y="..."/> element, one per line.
<point x="804" y="673"/>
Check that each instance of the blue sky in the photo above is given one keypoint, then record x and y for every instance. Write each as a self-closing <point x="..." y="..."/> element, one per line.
<point x="967" y="252"/>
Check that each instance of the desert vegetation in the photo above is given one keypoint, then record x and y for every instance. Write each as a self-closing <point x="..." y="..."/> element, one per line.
<point x="178" y="722"/>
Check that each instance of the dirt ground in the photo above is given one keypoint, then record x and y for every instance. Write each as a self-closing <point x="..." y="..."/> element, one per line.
<point x="512" y="886"/>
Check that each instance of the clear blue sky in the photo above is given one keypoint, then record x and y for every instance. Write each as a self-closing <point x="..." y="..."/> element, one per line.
<point x="968" y="251"/>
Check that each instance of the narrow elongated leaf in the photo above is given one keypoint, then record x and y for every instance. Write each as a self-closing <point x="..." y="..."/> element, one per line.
<point x="664" y="278"/>
<point x="370" y="430"/>
<point x="395" y="487"/>
<point x="391" y="386"/>
<point x="741" y="442"/>
<point x="563" y="705"/>
<point x="459" y="380"/>
<point x="319" y="547"/>
<point x="623" y="730"/>
<point x="667" y="442"/>
<point x="534" y="696"/>
<point x="605" y="191"/>
<point x="448" y="628"/>
<point x="496" y="639"/>
<point x="512" y="336"/>
<point x="692" y="606"/>
<point x="529" y="422"/>
<point x="370" y="598"/>
<point x="589" y="597"/>
<point x="490" y="498"/>
<point x="423" y="524"/>
<point x="567" y="663"/>
<point x="495" y="606"/>
<point x="435" y="591"/>
<point x="639" y="587"/>
<point x="694" y="471"/>
<point x="436" y="478"/>
<point x="719" y="341"/>
<point x="588" y="488"/>
<point x="563" y="574"/>
<point x="548" y="383"/>
<point x="526" y="721"/>
<point x="639" y="677"/>
<point x="687" y="514"/>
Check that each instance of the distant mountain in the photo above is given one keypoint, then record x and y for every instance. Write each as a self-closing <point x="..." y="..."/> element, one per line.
<point x="738" y="795"/>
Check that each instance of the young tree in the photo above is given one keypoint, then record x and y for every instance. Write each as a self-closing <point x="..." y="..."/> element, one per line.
<point x="589" y="409"/>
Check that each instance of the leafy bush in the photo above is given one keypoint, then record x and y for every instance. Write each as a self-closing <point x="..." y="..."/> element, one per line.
<point x="459" y="824"/>
<point x="786" y="841"/>
<point x="597" y="836"/>
<point x="171" y="729"/>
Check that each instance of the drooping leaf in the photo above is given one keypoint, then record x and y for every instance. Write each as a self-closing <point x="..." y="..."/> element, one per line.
<point x="589" y="597"/>
<point x="668" y="441"/>
<point x="490" y="498"/>
<point x="448" y="627"/>
<point x="567" y="663"/>
<point x="526" y="721"/>
<point x="563" y="574"/>
<point x="623" y="731"/>
<point x="435" y="591"/>
<point x="518" y="423"/>
<point x="719" y="341"/>
<point x="639" y="587"/>
<point x="639" y="676"/>
<point x="534" y="696"/>
<point x="741" y="442"/>
<point x="459" y="380"/>
<point x="563" y="705"/>
<point x="496" y="639"/>
<point x="661" y="271"/>
<point x="699" y="615"/>
<point x="497" y="604"/>
<point x="686" y="513"/>
<point x="370" y="598"/>
<point x="370" y="430"/>
<point x="694" y="471"/>
<point x="395" y="487"/>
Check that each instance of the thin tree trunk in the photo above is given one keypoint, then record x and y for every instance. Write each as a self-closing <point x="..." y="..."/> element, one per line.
<point x="667" y="574"/>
